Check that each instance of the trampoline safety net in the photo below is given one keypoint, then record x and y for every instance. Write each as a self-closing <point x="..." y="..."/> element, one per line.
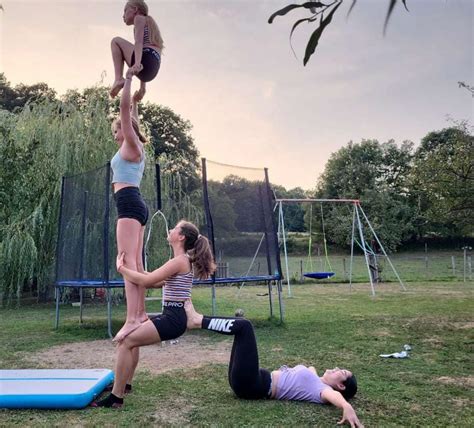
<point x="238" y="204"/>
<point x="86" y="249"/>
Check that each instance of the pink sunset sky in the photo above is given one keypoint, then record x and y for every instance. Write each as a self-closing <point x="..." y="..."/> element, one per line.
<point x="234" y="77"/>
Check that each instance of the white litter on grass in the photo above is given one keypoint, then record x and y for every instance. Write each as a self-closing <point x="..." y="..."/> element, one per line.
<point x="401" y="354"/>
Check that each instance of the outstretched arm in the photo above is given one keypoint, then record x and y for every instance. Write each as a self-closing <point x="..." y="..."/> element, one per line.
<point x="134" y="109"/>
<point x="131" y="150"/>
<point x="137" y="97"/>
<point x="348" y="413"/>
<point x="153" y="279"/>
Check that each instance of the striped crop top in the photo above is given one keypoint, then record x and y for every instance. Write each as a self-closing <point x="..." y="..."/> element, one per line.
<point x="178" y="287"/>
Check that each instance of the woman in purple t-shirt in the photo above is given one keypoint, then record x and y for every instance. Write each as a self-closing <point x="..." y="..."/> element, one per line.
<point x="302" y="383"/>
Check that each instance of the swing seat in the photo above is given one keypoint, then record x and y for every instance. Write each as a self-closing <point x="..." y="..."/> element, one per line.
<point x="318" y="275"/>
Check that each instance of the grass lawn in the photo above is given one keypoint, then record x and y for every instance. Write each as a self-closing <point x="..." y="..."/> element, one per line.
<point x="325" y="326"/>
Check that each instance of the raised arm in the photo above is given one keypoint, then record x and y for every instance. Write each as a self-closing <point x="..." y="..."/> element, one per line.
<point x="137" y="97"/>
<point x="131" y="149"/>
<point x="134" y="108"/>
<point x="348" y="413"/>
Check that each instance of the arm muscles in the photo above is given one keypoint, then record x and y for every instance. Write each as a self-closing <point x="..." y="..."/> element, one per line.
<point x="139" y="29"/>
<point x="333" y="397"/>
<point x="131" y="149"/>
<point x="348" y="414"/>
<point x="154" y="278"/>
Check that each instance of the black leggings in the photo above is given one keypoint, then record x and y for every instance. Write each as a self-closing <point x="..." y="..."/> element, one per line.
<point x="246" y="378"/>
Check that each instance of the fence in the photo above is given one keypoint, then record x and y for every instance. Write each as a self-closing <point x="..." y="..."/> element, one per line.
<point x="435" y="266"/>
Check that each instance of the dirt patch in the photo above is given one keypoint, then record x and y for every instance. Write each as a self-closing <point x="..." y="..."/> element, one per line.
<point x="168" y="412"/>
<point x="434" y="342"/>
<point x="382" y="333"/>
<point x="438" y="323"/>
<point x="465" y="382"/>
<point x="463" y="325"/>
<point x="189" y="352"/>
<point x="462" y="402"/>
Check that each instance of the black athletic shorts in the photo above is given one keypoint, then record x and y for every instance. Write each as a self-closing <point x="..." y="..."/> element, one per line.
<point x="172" y="322"/>
<point x="130" y="204"/>
<point x="151" y="61"/>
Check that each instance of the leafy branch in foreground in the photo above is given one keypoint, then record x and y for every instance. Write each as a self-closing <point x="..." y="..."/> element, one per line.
<point x="468" y="87"/>
<point x="323" y="14"/>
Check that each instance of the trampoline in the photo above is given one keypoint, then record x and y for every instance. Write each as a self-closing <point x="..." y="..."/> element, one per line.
<point x="238" y="206"/>
<point x="86" y="246"/>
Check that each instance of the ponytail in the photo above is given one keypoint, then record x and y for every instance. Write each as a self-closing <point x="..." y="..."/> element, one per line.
<point x="199" y="250"/>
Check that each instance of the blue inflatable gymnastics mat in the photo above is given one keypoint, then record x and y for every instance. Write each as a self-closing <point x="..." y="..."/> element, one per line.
<point x="51" y="389"/>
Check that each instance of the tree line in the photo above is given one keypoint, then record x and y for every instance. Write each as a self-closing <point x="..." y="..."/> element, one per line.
<point x="408" y="193"/>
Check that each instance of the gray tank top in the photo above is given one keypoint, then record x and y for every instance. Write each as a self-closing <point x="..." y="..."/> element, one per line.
<point x="125" y="171"/>
<point x="300" y="383"/>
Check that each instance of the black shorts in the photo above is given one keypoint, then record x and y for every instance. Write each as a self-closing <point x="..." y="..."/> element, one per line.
<point x="151" y="61"/>
<point x="172" y="322"/>
<point x="130" y="204"/>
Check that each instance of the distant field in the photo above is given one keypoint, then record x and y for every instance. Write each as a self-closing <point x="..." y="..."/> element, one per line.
<point x="416" y="266"/>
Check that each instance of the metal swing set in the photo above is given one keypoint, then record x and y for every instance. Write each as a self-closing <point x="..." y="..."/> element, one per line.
<point x="359" y="221"/>
<point x="310" y="272"/>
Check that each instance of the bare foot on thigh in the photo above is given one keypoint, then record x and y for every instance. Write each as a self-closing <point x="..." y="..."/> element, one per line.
<point x="127" y="328"/>
<point x="116" y="86"/>
<point x="194" y="318"/>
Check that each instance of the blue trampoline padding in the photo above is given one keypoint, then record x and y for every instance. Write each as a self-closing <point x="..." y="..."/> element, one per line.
<point x="319" y="275"/>
<point x="51" y="389"/>
<point x="237" y="279"/>
<point x="92" y="283"/>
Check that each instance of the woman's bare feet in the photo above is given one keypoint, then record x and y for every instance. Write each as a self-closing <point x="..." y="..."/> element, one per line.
<point x="116" y="87"/>
<point x="126" y="329"/>
<point x="194" y="318"/>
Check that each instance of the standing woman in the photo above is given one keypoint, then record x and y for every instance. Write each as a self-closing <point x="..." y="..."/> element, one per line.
<point x="143" y="56"/>
<point x="192" y="256"/>
<point x="128" y="165"/>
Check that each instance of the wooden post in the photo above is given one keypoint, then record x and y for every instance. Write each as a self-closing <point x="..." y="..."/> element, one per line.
<point x="453" y="264"/>
<point x="344" y="267"/>
<point x="426" y="257"/>
<point x="469" y="267"/>
<point x="301" y="271"/>
<point x="464" y="264"/>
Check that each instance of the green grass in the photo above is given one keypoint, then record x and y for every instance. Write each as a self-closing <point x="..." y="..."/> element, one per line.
<point x="325" y="325"/>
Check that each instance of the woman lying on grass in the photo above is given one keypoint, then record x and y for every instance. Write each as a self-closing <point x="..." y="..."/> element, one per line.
<point x="301" y="383"/>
